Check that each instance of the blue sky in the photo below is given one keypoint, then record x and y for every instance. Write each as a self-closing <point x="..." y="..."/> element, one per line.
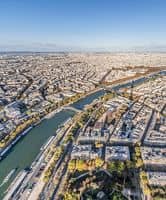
<point x="82" y="24"/>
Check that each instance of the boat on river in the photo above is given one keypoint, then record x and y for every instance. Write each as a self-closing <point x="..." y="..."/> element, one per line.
<point x="8" y="177"/>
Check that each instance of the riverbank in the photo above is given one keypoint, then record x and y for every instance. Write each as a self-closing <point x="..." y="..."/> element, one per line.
<point x="5" y="150"/>
<point x="135" y="81"/>
<point x="150" y="72"/>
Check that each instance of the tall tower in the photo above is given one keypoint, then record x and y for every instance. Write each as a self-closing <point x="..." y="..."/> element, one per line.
<point x="131" y="91"/>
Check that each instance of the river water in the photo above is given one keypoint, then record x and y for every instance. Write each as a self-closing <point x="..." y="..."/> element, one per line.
<point x="26" y="150"/>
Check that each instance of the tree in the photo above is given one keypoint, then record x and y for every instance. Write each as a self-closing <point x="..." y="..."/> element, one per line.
<point x="72" y="165"/>
<point x="81" y="165"/>
<point x="120" y="166"/>
<point x="129" y="164"/>
<point x="98" y="162"/>
<point x="139" y="163"/>
<point x="112" y="166"/>
<point x="144" y="183"/>
<point x="70" y="196"/>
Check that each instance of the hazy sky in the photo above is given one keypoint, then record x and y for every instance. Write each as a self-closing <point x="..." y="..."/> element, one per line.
<point x="82" y="24"/>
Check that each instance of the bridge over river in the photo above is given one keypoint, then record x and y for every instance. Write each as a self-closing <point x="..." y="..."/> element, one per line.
<point x="71" y="108"/>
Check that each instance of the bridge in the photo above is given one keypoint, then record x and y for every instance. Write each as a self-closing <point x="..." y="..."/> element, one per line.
<point x="71" y="108"/>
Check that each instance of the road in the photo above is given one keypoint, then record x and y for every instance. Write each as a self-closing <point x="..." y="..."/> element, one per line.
<point x="62" y="179"/>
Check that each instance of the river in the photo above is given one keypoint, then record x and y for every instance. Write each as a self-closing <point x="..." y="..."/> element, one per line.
<point x="26" y="150"/>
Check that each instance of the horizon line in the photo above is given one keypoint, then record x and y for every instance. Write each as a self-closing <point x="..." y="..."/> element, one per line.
<point x="82" y="51"/>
